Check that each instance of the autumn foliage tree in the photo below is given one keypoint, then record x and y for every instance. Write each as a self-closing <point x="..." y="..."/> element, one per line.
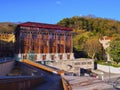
<point x="92" y="47"/>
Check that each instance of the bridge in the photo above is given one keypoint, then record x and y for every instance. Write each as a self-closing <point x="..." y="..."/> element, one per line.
<point x="59" y="73"/>
<point x="42" y="76"/>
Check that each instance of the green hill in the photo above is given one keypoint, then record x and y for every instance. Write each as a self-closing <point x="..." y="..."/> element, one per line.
<point x="96" y="25"/>
<point x="87" y="31"/>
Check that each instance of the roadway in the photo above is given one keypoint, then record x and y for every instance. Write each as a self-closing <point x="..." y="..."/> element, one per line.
<point x="91" y="83"/>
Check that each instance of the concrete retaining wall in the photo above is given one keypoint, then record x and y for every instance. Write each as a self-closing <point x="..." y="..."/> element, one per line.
<point x="54" y="81"/>
<point x="6" y="67"/>
<point x="73" y="65"/>
<point x="20" y="83"/>
<point x="108" y="69"/>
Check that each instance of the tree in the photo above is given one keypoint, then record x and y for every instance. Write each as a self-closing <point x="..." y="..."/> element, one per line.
<point x="79" y="40"/>
<point x="92" y="47"/>
<point x="114" y="50"/>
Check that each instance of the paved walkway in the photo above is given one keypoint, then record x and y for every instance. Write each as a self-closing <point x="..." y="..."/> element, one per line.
<point x="88" y="83"/>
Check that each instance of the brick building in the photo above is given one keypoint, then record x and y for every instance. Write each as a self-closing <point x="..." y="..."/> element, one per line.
<point x="43" y="42"/>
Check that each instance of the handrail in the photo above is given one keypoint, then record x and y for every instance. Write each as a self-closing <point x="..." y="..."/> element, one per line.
<point x="66" y="84"/>
<point x="3" y="60"/>
<point x="59" y="72"/>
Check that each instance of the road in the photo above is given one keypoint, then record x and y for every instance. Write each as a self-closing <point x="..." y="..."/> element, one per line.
<point x="91" y="83"/>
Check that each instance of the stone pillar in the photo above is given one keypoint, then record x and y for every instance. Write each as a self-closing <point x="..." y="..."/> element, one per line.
<point x="64" y="42"/>
<point x="71" y="45"/>
<point x="72" y="56"/>
<point x="48" y="56"/>
<point x="56" y="43"/>
<point x="48" y="44"/>
<point x="29" y="42"/>
<point x="56" y="56"/>
<point x="64" y="56"/>
<point x="38" y="57"/>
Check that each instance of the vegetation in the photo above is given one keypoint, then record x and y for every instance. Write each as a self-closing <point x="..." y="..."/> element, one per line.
<point x="114" y="50"/>
<point x="103" y="62"/>
<point x="7" y="27"/>
<point x="92" y="47"/>
<point x="86" y="32"/>
<point x="98" y="26"/>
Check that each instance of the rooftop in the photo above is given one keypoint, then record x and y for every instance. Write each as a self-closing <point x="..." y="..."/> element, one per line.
<point x="43" y="25"/>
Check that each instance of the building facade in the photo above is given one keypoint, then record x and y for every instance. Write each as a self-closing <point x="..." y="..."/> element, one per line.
<point x="43" y="42"/>
<point x="105" y="41"/>
<point x="7" y="44"/>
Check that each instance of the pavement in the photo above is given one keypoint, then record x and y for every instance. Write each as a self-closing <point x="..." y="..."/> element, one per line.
<point x="92" y="83"/>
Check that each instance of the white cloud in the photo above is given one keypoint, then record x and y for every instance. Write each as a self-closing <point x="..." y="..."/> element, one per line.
<point x="58" y="2"/>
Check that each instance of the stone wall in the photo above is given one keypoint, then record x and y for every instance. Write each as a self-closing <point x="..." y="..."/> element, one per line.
<point x="108" y="69"/>
<point x="53" y="81"/>
<point x="6" y="67"/>
<point x="74" y="65"/>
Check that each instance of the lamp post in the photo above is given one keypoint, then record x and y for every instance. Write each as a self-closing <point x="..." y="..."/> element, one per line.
<point x="109" y="73"/>
<point x="109" y="70"/>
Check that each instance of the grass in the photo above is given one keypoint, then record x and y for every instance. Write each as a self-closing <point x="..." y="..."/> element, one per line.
<point x="103" y="62"/>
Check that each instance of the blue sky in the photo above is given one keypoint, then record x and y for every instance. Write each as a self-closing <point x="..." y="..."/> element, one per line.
<point x="52" y="11"/>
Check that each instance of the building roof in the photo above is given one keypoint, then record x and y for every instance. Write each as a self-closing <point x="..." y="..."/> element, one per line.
<point x="106" y="38"/>
<point x="43" y="25"/>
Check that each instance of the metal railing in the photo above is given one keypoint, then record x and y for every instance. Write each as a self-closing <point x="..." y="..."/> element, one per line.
<point x="6" y="59"/>
<point x="65" y="83"/>
<point x="59" y="72"/>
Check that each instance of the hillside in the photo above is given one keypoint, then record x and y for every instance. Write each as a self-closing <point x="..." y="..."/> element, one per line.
<point x="7" y="27"/>
<point x="95" y="25"/>
<point x="87" y="31"/>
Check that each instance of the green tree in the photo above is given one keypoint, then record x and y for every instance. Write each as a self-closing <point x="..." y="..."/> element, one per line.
<point x="114" y="50"/>
<point x="79" y="40"/>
